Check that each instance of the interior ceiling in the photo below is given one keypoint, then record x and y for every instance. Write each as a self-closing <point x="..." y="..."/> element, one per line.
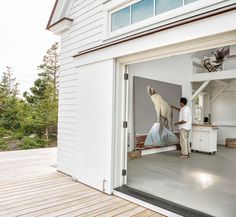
<point x="201" y="54"/>
<point x="215" y="83"/>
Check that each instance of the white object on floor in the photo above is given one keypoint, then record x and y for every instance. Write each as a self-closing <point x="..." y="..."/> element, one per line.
<point x="204" y="138"/>
<point x="158" y="150"/>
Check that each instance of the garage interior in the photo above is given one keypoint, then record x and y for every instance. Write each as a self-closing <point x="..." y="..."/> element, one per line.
<point x="206" y="180"/>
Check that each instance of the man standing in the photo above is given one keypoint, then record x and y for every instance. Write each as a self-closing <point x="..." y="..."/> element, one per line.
<point x="185" y="126"/>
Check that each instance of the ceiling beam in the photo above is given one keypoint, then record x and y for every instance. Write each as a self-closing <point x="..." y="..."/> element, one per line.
<point x="211" y="76"/>
<point x="200" y="89"/>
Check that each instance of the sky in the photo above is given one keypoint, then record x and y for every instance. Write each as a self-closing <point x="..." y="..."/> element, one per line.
<point x="23" y="38"/>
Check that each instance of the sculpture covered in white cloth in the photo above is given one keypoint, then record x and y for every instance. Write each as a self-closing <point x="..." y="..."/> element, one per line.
<point x="154" y="138"/>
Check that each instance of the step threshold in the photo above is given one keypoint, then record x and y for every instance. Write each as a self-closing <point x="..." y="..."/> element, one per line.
<point x="162" y="203"/>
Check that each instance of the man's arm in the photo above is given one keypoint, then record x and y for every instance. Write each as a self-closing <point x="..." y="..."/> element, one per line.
<point x="180" y="122"/>
<point x="178" y="109"/>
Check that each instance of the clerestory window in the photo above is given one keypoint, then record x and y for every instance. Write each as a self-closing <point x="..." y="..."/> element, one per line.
<point x="142" y="10"/>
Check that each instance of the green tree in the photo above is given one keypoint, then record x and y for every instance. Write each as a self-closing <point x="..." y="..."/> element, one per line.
<point x="50" y="66"/>
<point x="8" y="84"/>
<point x="8" y="100"/>
<point x="43" y="96"/>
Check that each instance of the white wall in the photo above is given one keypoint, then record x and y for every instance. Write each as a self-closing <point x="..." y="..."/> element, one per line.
<point x="94" y="128"/>
<point x="223" y="113"/>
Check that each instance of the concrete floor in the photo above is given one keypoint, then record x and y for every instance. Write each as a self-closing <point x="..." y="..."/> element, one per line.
<point x="202" y="182"/>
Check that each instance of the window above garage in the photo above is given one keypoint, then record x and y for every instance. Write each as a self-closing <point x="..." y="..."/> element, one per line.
<point x="123" y="18"/>
<point x="141" y="10"/>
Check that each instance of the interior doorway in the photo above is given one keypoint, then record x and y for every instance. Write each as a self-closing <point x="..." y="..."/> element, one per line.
<point x="203" y="182"/>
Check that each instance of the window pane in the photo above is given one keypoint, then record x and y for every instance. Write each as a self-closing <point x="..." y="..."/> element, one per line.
<point x="120" y="19"/>
<point x="142" y="10"/>
<point x="189" y="1"/>
<point x="166" y="5"/>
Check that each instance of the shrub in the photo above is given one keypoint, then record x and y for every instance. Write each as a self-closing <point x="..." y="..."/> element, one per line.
<point x="3" y="145"/>
<point x="4" y="132"/>
<point x="42" y="142"/>
<point x="30" y="143"/>
<point x="18" y="135"/>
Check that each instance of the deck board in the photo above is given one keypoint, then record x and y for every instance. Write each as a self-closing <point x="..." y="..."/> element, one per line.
<point x="31" y="186"/>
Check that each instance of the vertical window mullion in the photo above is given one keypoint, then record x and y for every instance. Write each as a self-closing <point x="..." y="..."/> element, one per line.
<point x="154" y="7"/>
<point x="184" y="2"/>
<point x="130" y="15"/>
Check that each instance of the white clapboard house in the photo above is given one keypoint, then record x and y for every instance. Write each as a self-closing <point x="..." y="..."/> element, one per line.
<point x="110" y="51"/>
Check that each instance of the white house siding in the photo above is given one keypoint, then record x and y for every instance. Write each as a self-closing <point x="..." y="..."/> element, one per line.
<point x="87" y="27"/>
<point x="84" y="33"/>
<point x="67" y="116"/>
<point x="66" y="120"/>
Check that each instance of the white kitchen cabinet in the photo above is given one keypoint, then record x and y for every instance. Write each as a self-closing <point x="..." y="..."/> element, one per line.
<point x="204" y="138"/>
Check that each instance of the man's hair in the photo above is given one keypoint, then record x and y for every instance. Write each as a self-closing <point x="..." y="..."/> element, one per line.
<point x="183" y="100"/>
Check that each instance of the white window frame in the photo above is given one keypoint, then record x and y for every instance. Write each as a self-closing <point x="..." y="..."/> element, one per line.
<point x="173" y="15"/>
<point x="116" y="10"/>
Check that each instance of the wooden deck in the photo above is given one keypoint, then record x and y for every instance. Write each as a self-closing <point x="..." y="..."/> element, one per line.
<point x="31" y="186"/>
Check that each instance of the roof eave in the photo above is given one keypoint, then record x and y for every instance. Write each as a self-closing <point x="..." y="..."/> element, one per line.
<point x="61" y="25"/>
<point x="51" y="16"/>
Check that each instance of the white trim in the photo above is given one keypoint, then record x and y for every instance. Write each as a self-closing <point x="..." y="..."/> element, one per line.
<point x="219" y="75"/>
<point x="68" y="9"/>
<point x="180" y="48"/>
<point x="61" y="26"/>
<point x="113" y="136"/>
<point x="113" y="4"/>
<point x="146" y="205"/>
<point x="61" y="10"/>
<point x="125" y="118"/>
<point x="118" y="134"/>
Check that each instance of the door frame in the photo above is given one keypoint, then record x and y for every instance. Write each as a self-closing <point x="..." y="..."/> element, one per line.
<point x="214" y="41"/>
